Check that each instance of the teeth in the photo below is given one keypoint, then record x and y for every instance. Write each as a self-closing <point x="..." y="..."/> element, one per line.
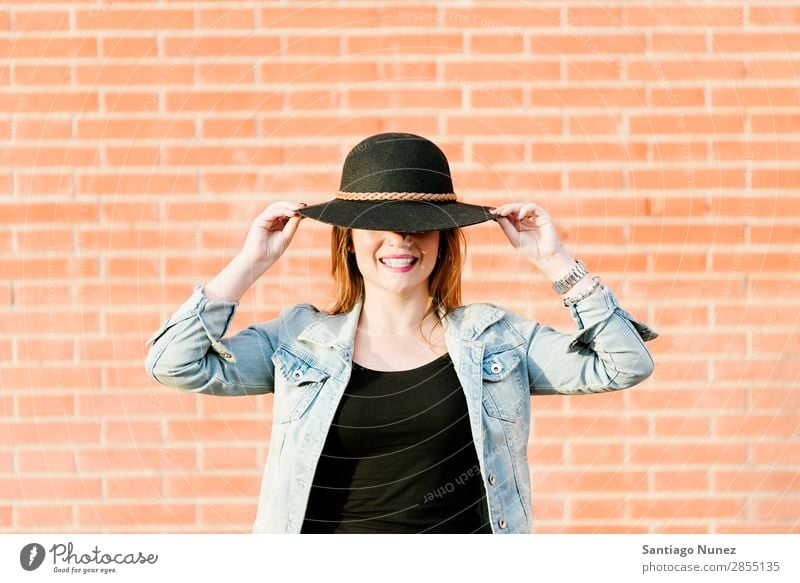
<point x="397" y="262"/>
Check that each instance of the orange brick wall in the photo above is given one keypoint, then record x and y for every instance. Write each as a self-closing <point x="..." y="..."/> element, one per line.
<point x="140" y="138"/>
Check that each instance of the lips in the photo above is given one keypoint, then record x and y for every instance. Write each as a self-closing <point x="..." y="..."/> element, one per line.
<point x="399" y="263"/>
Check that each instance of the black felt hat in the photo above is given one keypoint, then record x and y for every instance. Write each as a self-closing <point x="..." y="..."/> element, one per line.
<point x="397" y="182"/>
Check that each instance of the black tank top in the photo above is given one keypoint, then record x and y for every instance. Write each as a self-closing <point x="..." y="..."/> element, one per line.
<point x="399" y="457"/>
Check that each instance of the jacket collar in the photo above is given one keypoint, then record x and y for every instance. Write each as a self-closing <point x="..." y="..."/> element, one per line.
<point x="465" y="323"/>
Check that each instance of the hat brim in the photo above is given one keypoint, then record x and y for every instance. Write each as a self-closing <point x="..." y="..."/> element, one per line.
<point x="403" y="216"/>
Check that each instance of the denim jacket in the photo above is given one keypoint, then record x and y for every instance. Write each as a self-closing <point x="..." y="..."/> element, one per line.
<point x="304" y="356"/>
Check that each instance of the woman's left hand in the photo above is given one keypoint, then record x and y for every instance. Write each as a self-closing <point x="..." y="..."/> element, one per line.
<point x="530" y="229"/>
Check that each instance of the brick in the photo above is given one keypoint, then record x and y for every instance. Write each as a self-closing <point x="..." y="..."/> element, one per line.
<point x="50" y="377"/>
<point x="392" y="98"/>
<point x="593" y="453"/>
<point x="203" y="486"/>
<point x="222" y="72"/>
<point x="597" y="509"/>
<point x="345" y="126"/>
<point x="673" y="16"/>
<point x="38" y="129"/>
<point x="505" y="20"/>
<point x="675" y="427"/>
<point x="27" y="21"/>
<point x="139" y="487"/>
<point x="536" y="125"/>
<point x="770" y="452"/>
<point x="774" y="96"/>
<point x="228" y="128"/>
<point x="43" y="240"/>
<point x="234" y="17"/>
<point x="46" y="406"/>
<point x="221" y="46"/>
<point x="694" y="507"/>
<point x="237" y="456"/>
<point x="149" y="18"/>
<point x="678" y="44"/>
<point x="743" y="480"/>
<point x="54" y="487"/>
<point x="592" y="96"/>
<point x="63" y="101"/>
<point x="228" y="514"/>
<point x="121" y="459"/>
<point x="686" y="178"/>
<point x="658" y="123"/>
<point x="140" y="74"/>
<point x="58" y="75"/>
<point x="582" y="125"/>
<point x="35" y="268"/>
<point x="696" y="482"/>
<point x="602" y="70"/>
<point x="765" y="68"/>
<point x="777" y="508"/>
<point x="120" y="47"/>
<point x="316" y="17"/>
<point x="216" y="430"/>
<point x="406" y="44"/>
<point x="588" y="44"/>
<point x="109" y="516"/>
<point x="51" y="516"/>
<point x="475" y="73"/>
<point x="591" y="426"/>
<point x="685" y="70"/>
<point x="687" y="234"/>
<point x="774" y="370"/>
<point x="35" y="47"/>
<point x="580" y="16"/>
<point x="151" y="183"/>
<point x="319" y="72"/>
<point x="754" y="43"/>
<point x="487" y="44"/>
<point x="753" y="425"/>
<point x="181" y="156"/>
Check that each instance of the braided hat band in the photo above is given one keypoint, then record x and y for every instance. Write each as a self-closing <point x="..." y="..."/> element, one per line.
<point x="424" y="196"/>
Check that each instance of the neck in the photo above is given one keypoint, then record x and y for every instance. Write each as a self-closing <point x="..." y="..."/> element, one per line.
<point x="395" y="314"/>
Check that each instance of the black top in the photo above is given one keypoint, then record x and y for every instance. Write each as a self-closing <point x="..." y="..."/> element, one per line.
<point x="399" y="457"/>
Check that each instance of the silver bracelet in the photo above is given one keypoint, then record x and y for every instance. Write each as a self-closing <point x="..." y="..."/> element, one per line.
<point x="584" y="294"/>
<point x="575" y="274"/>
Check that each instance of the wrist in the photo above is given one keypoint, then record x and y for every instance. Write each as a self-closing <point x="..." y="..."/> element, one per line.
<point x="557" y="265"/>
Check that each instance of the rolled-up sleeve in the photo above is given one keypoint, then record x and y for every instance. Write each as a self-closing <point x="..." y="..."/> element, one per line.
<point x="188" y="352"/>
<point x="606" y="354"/>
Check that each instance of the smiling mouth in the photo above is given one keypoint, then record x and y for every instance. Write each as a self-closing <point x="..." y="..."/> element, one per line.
<point x="399" y="263"/>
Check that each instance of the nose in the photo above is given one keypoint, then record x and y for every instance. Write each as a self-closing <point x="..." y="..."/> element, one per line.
<point x="396" y="237"/>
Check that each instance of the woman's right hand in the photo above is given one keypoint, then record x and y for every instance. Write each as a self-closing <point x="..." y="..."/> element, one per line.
<point x="271" y="233"/>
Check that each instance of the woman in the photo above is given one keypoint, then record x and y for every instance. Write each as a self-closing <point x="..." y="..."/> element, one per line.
<point x="399" y="410"/>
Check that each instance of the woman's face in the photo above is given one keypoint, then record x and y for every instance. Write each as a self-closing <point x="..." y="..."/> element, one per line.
<point x="395" y="262"/>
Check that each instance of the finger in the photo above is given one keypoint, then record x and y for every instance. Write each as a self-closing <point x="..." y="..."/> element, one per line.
<point x="291" y="227"/>
<point x="511" y="232"/>
<point x="282" y="205"/>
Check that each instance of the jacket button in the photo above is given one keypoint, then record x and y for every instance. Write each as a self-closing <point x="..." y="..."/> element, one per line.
<point x="501" y="523"/>
<point x="297" y="374"/>
<point x="496" y="368"/>
<point x="492" y="479"/>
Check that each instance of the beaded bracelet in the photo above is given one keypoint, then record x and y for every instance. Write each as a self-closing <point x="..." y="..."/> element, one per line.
<point x="584" y="294"/>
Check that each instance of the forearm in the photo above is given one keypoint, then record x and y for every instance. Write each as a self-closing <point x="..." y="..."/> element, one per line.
<point x="234" y="280"/>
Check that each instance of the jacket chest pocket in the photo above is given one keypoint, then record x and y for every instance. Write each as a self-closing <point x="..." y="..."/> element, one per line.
<point x="297" y="383"/>
<point x="503" y="391"/>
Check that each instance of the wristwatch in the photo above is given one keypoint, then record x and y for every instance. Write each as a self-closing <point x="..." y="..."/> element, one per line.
<point x="576" y="273"/>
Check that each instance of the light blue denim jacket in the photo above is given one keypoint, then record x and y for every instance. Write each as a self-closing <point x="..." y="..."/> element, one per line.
<point x="304" y="356"/>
